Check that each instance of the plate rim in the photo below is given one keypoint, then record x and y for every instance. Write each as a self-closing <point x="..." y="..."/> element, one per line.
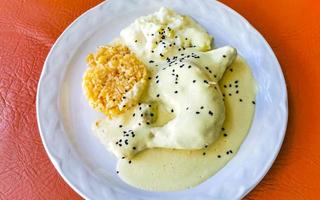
<point x="285" y="96"/>
<point x="283" y="86"/>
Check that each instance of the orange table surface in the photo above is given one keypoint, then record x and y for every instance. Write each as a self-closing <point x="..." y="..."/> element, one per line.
<point x="28" y="29"/>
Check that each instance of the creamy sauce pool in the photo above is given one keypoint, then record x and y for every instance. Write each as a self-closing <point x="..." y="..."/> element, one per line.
<point x="170" y="170"/>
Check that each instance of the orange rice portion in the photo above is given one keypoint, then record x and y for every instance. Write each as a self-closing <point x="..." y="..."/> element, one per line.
<point x="113" y="71"/>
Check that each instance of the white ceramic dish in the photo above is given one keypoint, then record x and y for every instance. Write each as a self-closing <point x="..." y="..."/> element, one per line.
<point x="64" y="116"/>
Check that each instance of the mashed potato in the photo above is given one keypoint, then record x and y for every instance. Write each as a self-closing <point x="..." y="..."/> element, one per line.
<point x="164" y="33"/>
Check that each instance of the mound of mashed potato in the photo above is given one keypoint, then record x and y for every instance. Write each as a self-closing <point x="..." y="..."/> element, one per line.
<point x="164" y="32"/>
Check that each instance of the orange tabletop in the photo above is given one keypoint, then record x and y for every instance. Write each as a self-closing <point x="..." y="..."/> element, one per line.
<point x="28" y="29"/>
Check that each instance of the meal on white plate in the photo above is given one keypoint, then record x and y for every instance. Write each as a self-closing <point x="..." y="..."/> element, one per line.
<point x="176" y="109"/>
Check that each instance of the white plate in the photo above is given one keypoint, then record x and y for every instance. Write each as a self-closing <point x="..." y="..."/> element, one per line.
<point x="64" y="116"/>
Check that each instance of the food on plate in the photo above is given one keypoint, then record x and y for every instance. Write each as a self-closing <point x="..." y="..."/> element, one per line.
<point x="168" y="95"/>
<point x="113" y="72"/>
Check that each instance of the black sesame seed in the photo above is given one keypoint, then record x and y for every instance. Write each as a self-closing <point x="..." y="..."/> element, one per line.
<point x="141" y="115"/>
<point x="158" y="95"/>
<point x="139" y="124"/>
<point x="117" y="172"/>
<point x="120" y="126"/>
<point x="134" y="148"/>
<point x="231" y="70"/>
<point x="186" y="38"/>
<point x="215" y="76"/>
<point x="236" y="86"/>
<point x="120" y="145"/>
<point x="230" y="94"/>
<point x="136" y="41"/>
<point x="148" y="123"/>
<point x="227" y="152"/>
<point x="230" y="151"/>
<point x="124" y="97"/>
<point x="157" y="81"/>
<point x="152" y="34"/>
<point x="176" y="36"/>
<point x="161" y="54"/>
<point x="236" y="81"/>
<point x="187" y="108"/>
<point x="172" y="110"/>
<point x="223" y="95"/>
<point x="204" y="153"/>
<point x="205" y="146"/>
<point x="225" y="135"/>
<point x="222" y="129"/>
<point x="152" y="51"/>
<point x="189" y="66"/>
<point x="240" y="100"/>
<point x="140" y="108"/>
<point x="176" y="82"/>
<point x="205" y="81"/>
<point x="237" y="91"/>
<point x="151" y="114"/>
<point x="201" y="107"/>
<point x="219" y="156"/>
<point x="124" y="106"/>
<point x="224" y="56"/>
<point x="150" y="105"/>
<point x="210" y="112"/>
<point x="123" y="158"/>
<point x="176" y="92"/>
<point x="113" y="100"/>
<point x="230" y="85"/>
<point x="225" y="86"/>
<point x="197" y="112"/>
<point x="129" y="161"/>
<point x="253" y="102"/>
<point x="151" y="61"/>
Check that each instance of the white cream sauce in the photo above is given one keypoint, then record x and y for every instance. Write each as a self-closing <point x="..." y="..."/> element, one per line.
<point x="162" y="169"/>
